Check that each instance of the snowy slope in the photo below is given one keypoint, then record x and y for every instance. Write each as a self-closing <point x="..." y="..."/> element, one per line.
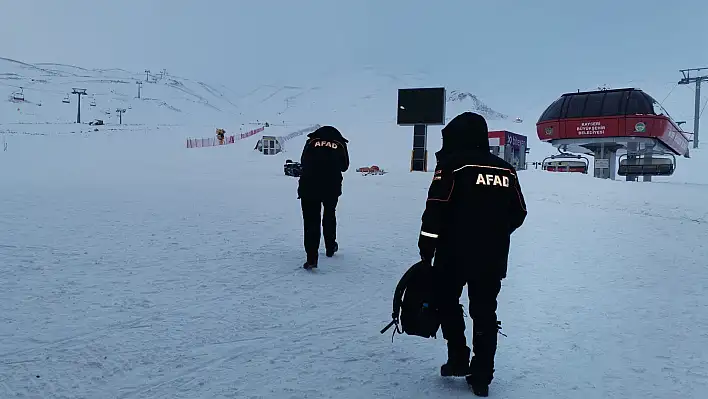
<point x="133" y="267"/>
<point x="167" y="100"/>
<point x="45" y="86"/>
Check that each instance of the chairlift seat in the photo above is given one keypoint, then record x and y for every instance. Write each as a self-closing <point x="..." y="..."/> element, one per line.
<point x="642" y="166"/>
<point x="565" y="162"/>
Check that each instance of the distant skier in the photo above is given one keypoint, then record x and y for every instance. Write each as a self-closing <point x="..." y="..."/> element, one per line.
<point x="323" y="160"/>
<point x="474" y="204"/>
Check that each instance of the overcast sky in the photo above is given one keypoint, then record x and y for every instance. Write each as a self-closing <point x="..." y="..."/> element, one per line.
<point x="529" y="49"/>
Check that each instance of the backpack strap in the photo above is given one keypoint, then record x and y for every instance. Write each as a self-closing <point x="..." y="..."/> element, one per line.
<point x="396" y="330"/>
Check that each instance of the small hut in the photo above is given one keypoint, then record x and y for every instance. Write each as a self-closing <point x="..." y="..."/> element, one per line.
<point x="269" y="145"/>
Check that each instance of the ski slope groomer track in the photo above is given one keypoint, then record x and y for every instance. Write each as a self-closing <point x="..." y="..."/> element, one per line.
<point x="153" y="271"/>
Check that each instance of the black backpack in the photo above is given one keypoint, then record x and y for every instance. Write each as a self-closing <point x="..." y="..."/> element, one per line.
<point x="414" y="303"/>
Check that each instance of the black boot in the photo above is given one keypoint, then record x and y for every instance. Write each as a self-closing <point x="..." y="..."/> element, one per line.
<point x="479" y="379"/>
<point x="479" y="387"/>
<point x="311" y="263"/>
<point x="458" y="361"/>
<point x="331" y="250"/>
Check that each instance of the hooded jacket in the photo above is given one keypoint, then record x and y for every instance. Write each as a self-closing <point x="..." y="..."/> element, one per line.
<point x="474" y="202"/>
<point x="324" y="158"/>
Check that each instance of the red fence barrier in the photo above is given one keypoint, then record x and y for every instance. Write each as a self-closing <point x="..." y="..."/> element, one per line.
<point x="213" y="141"/>
<point x="252" y="132"/>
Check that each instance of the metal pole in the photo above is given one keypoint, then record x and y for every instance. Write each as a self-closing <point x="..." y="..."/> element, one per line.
<point x="697" y="113"/>
<point x="79" y="93"/>
<point x="120" y="112"/>
<point x="687" y="78"/>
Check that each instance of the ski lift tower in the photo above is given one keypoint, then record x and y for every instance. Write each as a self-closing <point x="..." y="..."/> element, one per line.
<point x="120" y="112"/>
<point x="687" y="79"/>
<point x="79" y="93"/>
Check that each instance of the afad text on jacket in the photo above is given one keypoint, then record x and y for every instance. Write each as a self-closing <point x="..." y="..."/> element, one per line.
<point x="324" y="158"/>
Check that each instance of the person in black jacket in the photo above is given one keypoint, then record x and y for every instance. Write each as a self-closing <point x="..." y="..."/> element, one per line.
<point x="474" y="204"/>
<point x="323" y="160"/>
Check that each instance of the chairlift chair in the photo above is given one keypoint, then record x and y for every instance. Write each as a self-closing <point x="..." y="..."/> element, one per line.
<point x="575" y="163"/>
<point x="647" y="164"/>
<point x="66" y="100"/>
<point x="18" y="95"/>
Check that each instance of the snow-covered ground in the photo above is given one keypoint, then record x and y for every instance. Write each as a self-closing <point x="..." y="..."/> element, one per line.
<point x="132" y="267"/>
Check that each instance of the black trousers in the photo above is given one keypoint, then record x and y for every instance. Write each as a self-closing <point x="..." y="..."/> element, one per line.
<point x="312" y="217"/>
<point x="482" y="292"/>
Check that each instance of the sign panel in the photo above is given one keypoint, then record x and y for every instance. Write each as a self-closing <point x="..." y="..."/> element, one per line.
<point x="602" y="164"/>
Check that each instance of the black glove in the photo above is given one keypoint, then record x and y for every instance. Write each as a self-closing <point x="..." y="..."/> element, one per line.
<point x="426" y="245"/>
